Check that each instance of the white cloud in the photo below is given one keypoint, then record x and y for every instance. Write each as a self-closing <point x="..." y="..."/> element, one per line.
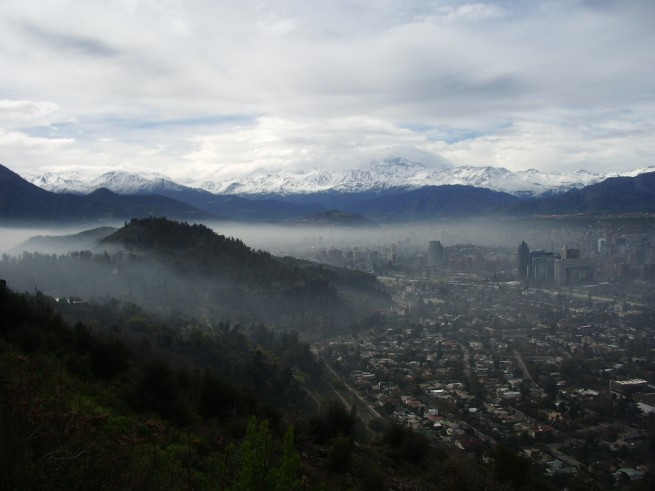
<point x="466" y="13"/>
<point x="275" y="143"/>
<point x="542" y="84"/>
<point x="22" y="110"/>
<point x="555" y="147"/>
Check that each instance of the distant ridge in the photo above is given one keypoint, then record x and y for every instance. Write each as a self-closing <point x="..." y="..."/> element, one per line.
<point x="392" y="174"/>
<point x="231" y="206"/>
<point x="435" y="202"/>
<point x="61" y="244"/>
<point x="613" y="195"/>
<point x="21" y="201"/>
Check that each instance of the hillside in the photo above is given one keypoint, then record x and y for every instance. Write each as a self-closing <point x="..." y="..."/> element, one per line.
<point x="169" y="267"/>
<point x="62" y="244"/>
<point x="154" y="405"/>
<point x="124" y="400"/>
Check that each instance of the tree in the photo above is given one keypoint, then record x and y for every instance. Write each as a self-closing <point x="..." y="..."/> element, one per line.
<point x="255" y="470"/>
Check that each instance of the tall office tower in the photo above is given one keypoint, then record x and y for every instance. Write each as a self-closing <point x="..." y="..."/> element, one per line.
<point x="568" y="253"/>
<point x="435" y="255"/>
<point x="523" y="260"/>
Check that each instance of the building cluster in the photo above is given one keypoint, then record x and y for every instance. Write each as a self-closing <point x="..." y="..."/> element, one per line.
<point x="550" y="269"/>
<point x="569" y="379"/>
<point x="608" y="253"/>
<point x="548" y="257"/>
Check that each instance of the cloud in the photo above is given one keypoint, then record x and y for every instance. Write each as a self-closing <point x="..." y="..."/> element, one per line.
<point x="203" y="87"/>
<point x="596" y="147"/>
<point x="466" y="13"/>
<point x="24" y="111"/>
<point x="275" y="143"/>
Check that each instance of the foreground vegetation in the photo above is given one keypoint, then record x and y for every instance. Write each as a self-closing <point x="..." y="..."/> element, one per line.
<point x="134" y="402"/>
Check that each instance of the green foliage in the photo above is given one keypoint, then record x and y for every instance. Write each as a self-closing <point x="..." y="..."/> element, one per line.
<point x="107" y="357"/>
<point x="73" y="417"/>
<point x="255" y="467"/>
<point x="288" y="347"/>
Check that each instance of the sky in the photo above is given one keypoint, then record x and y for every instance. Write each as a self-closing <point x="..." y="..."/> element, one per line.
<point x="217" y="89"/>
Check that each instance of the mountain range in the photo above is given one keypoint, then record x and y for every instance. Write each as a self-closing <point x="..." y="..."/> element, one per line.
<point x="22" y="201"/>
<point x="385" y="175"/>
<point x="388" y="192"/>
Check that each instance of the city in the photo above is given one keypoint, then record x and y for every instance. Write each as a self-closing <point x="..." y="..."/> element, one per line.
<point x="551" y="363"/>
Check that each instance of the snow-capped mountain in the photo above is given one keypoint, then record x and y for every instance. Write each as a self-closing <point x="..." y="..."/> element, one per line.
<point x="388" y="174"/>
<point x="117" y="181"/>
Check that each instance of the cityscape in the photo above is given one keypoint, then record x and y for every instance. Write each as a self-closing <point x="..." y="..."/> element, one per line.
<point x="549" y="350"/>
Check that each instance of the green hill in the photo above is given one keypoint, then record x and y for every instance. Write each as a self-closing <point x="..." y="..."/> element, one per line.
<point x="170" y="267"/>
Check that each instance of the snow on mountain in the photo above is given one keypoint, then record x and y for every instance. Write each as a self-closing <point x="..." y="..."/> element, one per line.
<point x="399" y="173"/>
<point x="120" y="182"/>
<point x="388" y="174"/>
<point x="61" y="182"/>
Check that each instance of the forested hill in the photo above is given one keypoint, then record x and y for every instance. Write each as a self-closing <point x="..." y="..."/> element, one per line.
<point x="169" y="267"/>
<point x="197" y="249"/>
<point x="194" y="248"/>
<point x="150" y="406"/>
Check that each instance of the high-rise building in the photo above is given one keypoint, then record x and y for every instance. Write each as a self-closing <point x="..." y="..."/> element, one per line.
<point x="523" y="260"/>
<point x="568" y="253"/>
<point x="542" y="267"/>
<point x="435" y="255"/>
<point x="571" y="271"/>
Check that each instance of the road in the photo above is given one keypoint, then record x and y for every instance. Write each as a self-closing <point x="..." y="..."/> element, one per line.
<point x="370" y="412"/>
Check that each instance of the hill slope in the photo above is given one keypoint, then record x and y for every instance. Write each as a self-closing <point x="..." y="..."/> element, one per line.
<point x="170" y="267"/>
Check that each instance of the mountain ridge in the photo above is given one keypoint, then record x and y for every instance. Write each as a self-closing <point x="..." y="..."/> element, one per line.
<point x="21" y="200"/>
<point x="386" y="175"/>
